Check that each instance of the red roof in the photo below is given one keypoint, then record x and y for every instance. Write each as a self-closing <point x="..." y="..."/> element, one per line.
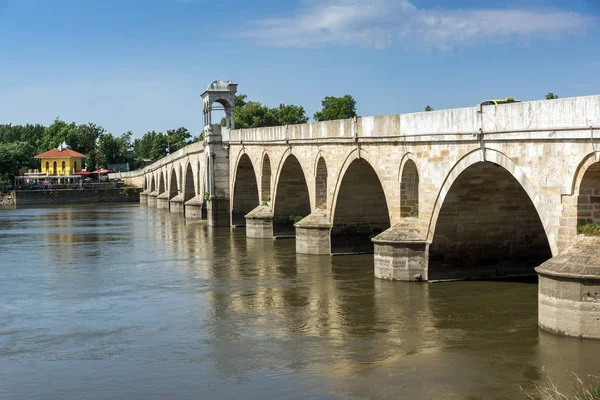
<point x="66" y="153"/>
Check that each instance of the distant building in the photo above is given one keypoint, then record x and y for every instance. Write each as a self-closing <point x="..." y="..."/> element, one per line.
<point x="61" y="162"/>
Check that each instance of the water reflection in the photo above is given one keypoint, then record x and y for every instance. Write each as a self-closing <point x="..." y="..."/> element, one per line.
<point x="209" y="310"/>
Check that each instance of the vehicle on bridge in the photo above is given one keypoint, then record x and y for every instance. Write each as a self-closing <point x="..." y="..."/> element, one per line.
<point x="496" y="102"/>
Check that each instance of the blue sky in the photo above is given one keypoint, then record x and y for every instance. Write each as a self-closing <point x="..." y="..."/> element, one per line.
<point x="142" y="65"/>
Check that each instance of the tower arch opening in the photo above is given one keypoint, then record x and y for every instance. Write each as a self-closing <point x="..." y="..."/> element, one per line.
<point x="245" y="191"/>
<point x="361" y="210"/>
<point x="409" y="190"/>
<point x="265" y="180"/>
<point x="292" y="202"/>
<point x="487" y="227"/>
<point x="321" y="184"/>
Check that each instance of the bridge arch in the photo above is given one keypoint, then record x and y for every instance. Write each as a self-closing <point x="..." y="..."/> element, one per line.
<point x="409" y="187"/>
<point x="321" y="182"/>
<point x="291" y="199"/>
<point x="245" y="190"/>
<point x="582" y="168"/>
<point x="152" y="184"/>
<point x="180" y="178"/>
<point x="586" y="186"/>
<point x="189" y="188"/>
<point x="486" y="221"/>
<point x="161" y="183"/>
<point x="265" y="178"/>
<point x="172" y="183"/>
<point x="360" y="207"/>
<point x="200" y="178"/>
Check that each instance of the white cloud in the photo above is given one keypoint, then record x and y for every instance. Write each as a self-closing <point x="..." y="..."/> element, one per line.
<point x="386" y="23"/>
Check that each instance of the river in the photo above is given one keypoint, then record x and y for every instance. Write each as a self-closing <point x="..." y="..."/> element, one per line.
<point x="130" y="302"/>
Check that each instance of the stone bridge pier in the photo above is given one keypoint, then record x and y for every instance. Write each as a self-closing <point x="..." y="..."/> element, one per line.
<point x="477" y="192"/>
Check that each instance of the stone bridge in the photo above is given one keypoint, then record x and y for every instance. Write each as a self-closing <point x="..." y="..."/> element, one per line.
<point x="477" y="192"/>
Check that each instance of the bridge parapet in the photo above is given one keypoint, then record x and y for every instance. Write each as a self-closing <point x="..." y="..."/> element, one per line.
<point x="560" y="114"/>
<point x="191" y="149"/>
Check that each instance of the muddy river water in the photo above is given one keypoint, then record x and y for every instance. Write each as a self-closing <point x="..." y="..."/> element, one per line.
<point x="129" y="302"/>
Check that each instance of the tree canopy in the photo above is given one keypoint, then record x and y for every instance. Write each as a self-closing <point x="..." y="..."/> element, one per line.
<point x="336" y="108"/>
<point x="253" y="114"/>
<point x="14" y="156"/>
<point x="20" y="143"/>
<point x="428" y="108"/>
<point x="551" y="96"/>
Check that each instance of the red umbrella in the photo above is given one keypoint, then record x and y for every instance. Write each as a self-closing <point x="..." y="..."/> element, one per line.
<point x="83" y="173"/>
<point x="101" y="171"/>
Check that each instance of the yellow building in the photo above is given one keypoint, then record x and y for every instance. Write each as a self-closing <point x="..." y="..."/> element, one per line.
<point x="61" y="162"/>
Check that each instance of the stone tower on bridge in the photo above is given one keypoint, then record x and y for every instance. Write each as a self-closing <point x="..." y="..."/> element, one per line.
<point x="216" y="150"/>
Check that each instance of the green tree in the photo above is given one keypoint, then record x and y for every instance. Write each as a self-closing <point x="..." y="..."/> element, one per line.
<point x="288" y="115"/>
<point x="114" y="150"/>
<point x="336" y="108"/>
<point x="428" y="108"/>
<point x="551" y="96"/>
<point x="240" y="100"/>
<point x="14" y="156"/>
<point x="177" y="139"/>
<point x="159" y="147"/>
<point x="253" y="114"/>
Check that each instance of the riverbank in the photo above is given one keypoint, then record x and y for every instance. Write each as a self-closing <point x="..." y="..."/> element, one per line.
<point x="75" y="196"/>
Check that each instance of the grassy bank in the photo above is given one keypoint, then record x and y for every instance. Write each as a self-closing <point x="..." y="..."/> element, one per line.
<point x="581" y="391"/>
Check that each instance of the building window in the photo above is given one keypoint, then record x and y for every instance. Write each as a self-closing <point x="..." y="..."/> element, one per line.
<point x="47" y="167"/>
<point x="54" y="168"/>
<point x="64" y="165"/>
<point x="74" y="166"/>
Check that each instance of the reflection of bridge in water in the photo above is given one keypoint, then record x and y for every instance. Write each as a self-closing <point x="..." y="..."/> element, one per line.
<point x="476" y="192"/>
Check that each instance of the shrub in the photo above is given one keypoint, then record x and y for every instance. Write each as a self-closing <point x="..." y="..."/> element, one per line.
<point x="295" y="218"/>
<point x="589" y="228"/>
